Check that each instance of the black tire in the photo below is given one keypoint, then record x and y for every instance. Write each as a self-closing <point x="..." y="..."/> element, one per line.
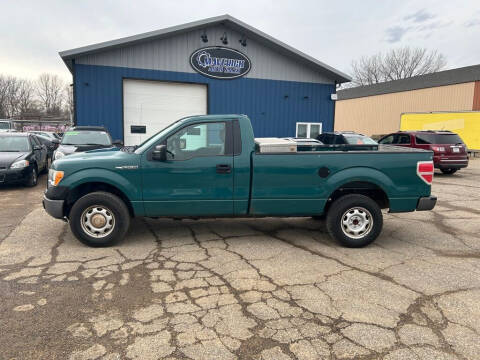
<point x="112" y="208"/>
<point x="32" y="177"/>
<point x="448" y="171"/>
<point x="338" y="213"/>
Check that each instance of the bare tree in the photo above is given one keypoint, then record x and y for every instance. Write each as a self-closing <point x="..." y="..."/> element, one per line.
<point x="13" y="100"/>
<point x="26" y="97"/>
<point x="397" y="64"/>
<point x="50" y="92"/>
<point x="6" y="85"/>
<point x="68" y="100"/>
<point x="15" y="96"/>
<point x="368" y="70"/>
<point x="45" y="96"/>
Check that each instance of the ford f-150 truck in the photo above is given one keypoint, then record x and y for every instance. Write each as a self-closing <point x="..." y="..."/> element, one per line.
<point x="212" y="166"/>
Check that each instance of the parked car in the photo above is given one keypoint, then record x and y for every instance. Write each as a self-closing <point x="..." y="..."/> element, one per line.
<point x="449" y="151"/>
<point x="211" y="166"/>
<point x="51" y="143"/>
<point x="84" y="138"/>
<point x="22" y="158"/>
<point x="6" y="125"/>
<point x="345" y="137"/>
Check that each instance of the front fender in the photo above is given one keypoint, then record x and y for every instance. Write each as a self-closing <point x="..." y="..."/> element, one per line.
<point x="127" y="182"/>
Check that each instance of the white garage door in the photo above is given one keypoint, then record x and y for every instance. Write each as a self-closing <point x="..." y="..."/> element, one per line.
<point x="150" y="106"/>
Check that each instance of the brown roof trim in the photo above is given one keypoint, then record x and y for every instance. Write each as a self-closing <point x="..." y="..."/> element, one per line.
<point x="441" y="78"/>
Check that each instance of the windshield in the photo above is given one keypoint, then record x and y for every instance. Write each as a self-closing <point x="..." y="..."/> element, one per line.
<point x="85" y="137"/>
<point x="4" y="126"/>
<point x="359" y="140"/>
<point x="14" y="144"/>
<point x="438" y="139"/>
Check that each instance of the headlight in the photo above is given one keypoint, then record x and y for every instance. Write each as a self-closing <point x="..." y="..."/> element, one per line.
<point x="54" y="177"/>
<point x="19" y="164"/>
<point x="58" y="155"/>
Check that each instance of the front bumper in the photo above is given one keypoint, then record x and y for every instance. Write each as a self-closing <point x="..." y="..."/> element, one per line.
<point x="53" y="207"/>
<point x="11" y="176"/>
<point x="450" y="162"/>
<point x="426" y="203"/>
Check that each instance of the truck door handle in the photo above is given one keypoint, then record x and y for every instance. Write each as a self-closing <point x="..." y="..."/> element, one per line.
<point x="224" y="169"/>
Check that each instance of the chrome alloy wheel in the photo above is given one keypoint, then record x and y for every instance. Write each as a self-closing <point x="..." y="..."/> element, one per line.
<point x="357" y="222"/>
<point x="97" y="221"/>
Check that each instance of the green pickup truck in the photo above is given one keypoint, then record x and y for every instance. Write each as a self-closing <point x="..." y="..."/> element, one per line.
<point x="212" y="166"/>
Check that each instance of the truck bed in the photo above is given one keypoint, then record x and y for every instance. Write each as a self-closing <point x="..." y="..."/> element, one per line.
<point x="301" y="182"/>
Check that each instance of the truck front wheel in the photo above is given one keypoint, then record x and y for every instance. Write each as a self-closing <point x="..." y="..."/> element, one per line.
<point x="354" y="220"/>
<point x="99" y="219"/>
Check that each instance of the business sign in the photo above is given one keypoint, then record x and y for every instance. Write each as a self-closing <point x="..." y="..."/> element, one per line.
<point x="220" y="62"/>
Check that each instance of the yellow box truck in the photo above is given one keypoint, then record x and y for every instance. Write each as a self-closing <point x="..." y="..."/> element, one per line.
<point x="466" y="124"/>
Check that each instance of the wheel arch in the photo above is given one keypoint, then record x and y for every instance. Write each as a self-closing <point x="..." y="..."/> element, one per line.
<point x="361" y="180"/>
<point x="92" y="186"/>
<point x="361" y="187"/>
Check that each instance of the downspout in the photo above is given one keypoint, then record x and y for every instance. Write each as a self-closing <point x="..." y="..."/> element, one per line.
<point x="74" y="93"/>
<point x="334" y="105"/>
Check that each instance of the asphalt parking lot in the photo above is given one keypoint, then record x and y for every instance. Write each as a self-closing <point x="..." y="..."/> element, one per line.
<point x="244" y="289"/>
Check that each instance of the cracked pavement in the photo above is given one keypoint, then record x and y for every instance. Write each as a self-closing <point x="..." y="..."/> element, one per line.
<point x="244" y="288"/>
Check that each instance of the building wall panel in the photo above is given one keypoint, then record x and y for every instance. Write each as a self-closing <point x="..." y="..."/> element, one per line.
<point x="173" y="54"/>
<point x="274" y="106"/>
<point x="380" y="114"/>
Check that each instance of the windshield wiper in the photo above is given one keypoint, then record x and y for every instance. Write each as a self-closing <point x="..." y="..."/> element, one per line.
<point x="129" y="148"/>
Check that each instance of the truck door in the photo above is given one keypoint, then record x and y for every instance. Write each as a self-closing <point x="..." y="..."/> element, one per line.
<point x="197" y="177"/>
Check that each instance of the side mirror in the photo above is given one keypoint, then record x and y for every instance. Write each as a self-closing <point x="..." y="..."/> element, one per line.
<point x="160" y="153"/>
<point x="55" y="141"/>
<point x="118" y="143"/>
<point x="37" y="147"/>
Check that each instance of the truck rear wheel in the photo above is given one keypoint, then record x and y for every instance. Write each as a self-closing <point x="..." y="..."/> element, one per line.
<point x="354" y="220"/>
<point x="99" y="219"/>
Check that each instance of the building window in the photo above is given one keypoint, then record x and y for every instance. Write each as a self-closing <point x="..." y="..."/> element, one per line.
<point x="308" y="130"/>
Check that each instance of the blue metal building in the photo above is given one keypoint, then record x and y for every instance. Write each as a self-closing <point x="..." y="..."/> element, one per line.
<point x="137" y="85"/>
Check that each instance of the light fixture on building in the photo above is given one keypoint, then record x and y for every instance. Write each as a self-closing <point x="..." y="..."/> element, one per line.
<point x="204" y="37"/>
<point x="224" y="38"/>
<point x="243" y="41"/>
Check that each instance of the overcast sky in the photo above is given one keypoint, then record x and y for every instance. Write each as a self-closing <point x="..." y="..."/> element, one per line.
<point x="335" y="32"/>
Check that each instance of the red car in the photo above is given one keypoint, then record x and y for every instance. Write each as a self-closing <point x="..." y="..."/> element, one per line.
<point x="449" y="150"/>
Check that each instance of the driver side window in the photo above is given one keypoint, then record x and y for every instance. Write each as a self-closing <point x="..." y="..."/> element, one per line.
<point x="197" y="140"/>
